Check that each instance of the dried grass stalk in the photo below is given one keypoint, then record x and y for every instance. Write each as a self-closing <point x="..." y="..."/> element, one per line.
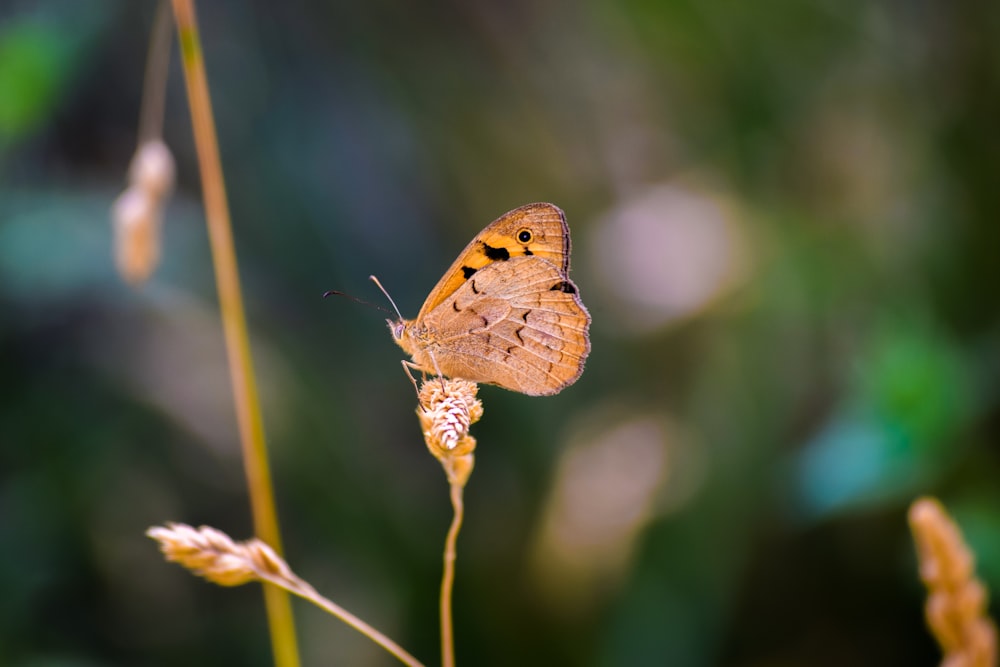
<point x="212" y="554"/>
<point x="447" y="409"/>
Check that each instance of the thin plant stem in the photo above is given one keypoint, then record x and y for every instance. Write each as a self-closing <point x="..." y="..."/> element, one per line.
<point x="307" y="592"/>
<point x="154" y="91"/>
<point x="248" y="413"/>
<point x="448" y="578"/>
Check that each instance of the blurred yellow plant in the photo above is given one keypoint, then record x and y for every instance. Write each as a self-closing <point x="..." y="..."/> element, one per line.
<point x="956" y="599"/>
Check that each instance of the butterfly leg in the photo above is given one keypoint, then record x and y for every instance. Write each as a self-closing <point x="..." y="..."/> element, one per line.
<point x="407" y="366"/>
<point x="440" y="375"/>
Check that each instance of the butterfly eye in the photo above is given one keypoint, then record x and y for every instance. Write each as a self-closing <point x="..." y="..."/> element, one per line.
<point x="524" y="236"/>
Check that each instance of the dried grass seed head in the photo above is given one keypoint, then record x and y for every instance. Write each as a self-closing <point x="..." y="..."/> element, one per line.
<point x="448" y="408"/>
<point x="212" y="554"/>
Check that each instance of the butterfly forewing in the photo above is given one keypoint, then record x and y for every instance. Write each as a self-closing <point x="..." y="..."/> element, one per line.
<point x="547" y="237"/>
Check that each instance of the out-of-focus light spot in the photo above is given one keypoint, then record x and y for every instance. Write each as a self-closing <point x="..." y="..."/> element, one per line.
<point x="174" y="358"/>
<point x="612" y="481"/>
<point x="851" y="462"/>
<point x="899" y="429"/>
<point x="665" y="255"/>
<point x="850" y="158"/>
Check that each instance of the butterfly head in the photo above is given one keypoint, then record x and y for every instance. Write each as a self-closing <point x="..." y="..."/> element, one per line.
<point x="397" y="327"/>
<point x="404" y="335"/>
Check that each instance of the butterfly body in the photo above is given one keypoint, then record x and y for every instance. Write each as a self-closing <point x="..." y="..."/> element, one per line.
<point x="506" y="312"/>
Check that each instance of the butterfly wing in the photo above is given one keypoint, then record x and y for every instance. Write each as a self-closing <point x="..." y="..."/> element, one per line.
<point x="518" y="324"/>
<point x="547" y="237"/>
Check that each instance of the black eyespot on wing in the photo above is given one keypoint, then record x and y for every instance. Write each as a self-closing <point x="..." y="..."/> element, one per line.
<point x="524" y="236"/>
<point x="496" y="254"/>
<point x="564" y="286"/>
<point x="467" y="272"/>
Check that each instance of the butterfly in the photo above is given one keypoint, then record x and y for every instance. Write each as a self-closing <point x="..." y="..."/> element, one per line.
<point x="506" y="311"/>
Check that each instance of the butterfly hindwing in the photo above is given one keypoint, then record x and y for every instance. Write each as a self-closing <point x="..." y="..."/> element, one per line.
<point x="519" y="324"/>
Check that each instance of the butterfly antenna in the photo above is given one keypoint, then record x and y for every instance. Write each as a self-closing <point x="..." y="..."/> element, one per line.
<point x="355" y="299"/>
<point x="379" y="285"/>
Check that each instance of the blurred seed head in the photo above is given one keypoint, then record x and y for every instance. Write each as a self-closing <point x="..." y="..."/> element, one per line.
<point x="136" y="223"/>
<point x="152" y="169"/>
<point x="137" y="213"/>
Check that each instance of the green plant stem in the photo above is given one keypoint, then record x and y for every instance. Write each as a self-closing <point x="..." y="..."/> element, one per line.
<point x="248" y="413"/>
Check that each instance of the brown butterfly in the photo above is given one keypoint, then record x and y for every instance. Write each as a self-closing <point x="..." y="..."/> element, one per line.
<point x="506" y="312"/>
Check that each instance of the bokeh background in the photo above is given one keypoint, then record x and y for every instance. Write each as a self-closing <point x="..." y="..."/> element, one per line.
<point x="785" y="224"/>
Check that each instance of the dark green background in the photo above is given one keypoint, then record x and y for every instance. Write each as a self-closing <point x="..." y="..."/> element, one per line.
<point x="851" y="365"/>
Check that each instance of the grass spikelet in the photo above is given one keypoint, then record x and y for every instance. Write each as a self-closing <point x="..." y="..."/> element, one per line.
<point x="212" y="554"/>
<point x="447" y="409"/>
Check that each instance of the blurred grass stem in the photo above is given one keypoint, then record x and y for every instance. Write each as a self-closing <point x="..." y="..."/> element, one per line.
<point x="248" y="413"/>
<point x="154" y="91"/>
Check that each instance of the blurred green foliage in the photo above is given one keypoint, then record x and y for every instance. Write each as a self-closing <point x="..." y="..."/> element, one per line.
<point x="849" y="366"/>
<point x="32" y="64"/>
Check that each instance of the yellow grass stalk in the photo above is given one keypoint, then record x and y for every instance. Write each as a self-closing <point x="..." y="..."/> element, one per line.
<point x="248" y="413"/>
